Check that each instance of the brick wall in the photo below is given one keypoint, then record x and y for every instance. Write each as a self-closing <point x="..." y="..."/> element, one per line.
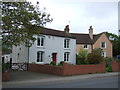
<point x="57" y="70"/>
<point x="67" y="70"/>
<point x="115" y="66"/>
<point x="83" y="69"/>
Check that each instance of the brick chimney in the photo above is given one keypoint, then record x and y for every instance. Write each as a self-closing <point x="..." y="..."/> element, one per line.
<point x="67" y="29"/>
<point x="91" y="32"/>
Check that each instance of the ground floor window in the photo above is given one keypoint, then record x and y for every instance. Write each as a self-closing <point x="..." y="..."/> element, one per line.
<point x="66" y="56"/>
<point x="40" y="56"/>
<point x="104" y="54"/>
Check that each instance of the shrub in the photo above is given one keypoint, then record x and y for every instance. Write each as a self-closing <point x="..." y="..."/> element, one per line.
<point x="5" y="66"/>
<point x="97" y="50"/>
<point x="81" y="57"/>
<point x="108" y="64"/>
<point x="61" y="63"/>
<point x="52" y="63"/>
<point x="94" y="58"/>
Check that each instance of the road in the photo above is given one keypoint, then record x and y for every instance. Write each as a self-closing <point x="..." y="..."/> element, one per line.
<point x="104" y="82"/>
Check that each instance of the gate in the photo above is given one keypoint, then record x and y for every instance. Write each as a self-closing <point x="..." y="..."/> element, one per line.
<point x="19" y="66"/>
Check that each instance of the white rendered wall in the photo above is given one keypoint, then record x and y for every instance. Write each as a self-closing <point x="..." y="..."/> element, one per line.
<point x="23" y="54"/>
<point x="53" y="44"/>
<point x="6" y="57"/>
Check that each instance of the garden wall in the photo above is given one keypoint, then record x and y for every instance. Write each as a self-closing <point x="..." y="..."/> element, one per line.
<point x="115" y="66"/>
<point x="67" y="70"/>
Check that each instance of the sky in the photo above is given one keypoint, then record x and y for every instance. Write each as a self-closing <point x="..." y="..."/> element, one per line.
<point x="79" y="15"/>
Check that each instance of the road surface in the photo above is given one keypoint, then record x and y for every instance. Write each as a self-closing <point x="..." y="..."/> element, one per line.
<point x="104" y="82"/>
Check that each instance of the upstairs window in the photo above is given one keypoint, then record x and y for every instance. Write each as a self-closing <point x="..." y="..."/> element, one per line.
<point x="40" y="40"/>
<point x="103" y="44"/>
<point x="66" y="43"/>
<point x="40" y="55"/>
<point x="85" y="46"/>
<point x="66" y="56"/>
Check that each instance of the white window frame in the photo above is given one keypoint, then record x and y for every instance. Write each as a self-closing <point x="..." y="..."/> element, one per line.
<point x="103" y="54"/>
<point x="66" y="43"/>
<point x="85" y="46"/>
<point x="40" y="42"/>
<point x="40" y="53"/>
<point x="66" y="56"/>
<point x="101" y="44"/>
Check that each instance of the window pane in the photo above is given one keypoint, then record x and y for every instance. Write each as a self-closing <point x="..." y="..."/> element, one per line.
<point x="38" y="41"/>
<point x="65" y="43"/>
<point x="38" y="55"/>
<point x="85" y="46"/>
<point x="64" y="56"/>
<point x="103" y="44"/>
<point x="42" y="41"/>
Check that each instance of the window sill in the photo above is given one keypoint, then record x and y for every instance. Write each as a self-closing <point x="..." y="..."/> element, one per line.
<point x="66" y="48"/>
<point x="41" y="47"/>
<point x="85" y="48"/>
<point x="39" y="62"/>
<point x="103" y="48"/>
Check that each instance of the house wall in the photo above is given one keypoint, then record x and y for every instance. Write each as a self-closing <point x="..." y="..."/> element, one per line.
<point x="19" y="54"/>
<point x="53" y="44"/>
<point x="6" y="57"/>
<point x="108" y="49"/>
<point x="81" y="46"/>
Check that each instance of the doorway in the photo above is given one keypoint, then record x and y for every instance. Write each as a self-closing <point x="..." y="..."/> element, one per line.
<point x="54" y="57"/>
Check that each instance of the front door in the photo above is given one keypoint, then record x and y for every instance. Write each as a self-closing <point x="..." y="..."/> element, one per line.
<point x="54" y="57"/>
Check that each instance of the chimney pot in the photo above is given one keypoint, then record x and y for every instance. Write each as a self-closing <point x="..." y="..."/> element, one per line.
<point x="67" y="28"/>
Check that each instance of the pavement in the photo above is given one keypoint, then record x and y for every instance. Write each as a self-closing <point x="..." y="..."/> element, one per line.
<point x="21" y="77"/>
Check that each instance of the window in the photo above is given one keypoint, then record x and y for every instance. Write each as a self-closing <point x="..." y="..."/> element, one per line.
<point x="40" y="41"/>
<point x="86" y="46"/>
<point x="66" y="56"/>
<point x="104" y="54"/>
<point x="40" y="55"/>
<point x="103" y="44"/>
<point x="66" y="43"/>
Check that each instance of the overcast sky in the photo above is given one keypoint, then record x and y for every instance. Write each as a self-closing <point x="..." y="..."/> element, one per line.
<point x="103" y="16"/>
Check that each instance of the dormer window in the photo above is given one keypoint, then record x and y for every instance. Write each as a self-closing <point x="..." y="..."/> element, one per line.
<point x="40" y="40"/>
<point x="103" y="44"/>
<point x="66" y="43"/>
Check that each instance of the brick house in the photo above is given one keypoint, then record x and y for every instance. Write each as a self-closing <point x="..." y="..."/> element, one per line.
<point x="91" y="41"/>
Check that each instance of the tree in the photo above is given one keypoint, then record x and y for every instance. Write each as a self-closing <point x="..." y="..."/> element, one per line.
<point x="95" y="57"/>
<point x="81" y="57"/>
<point x="21" y="21"/>
<point x="115" y="42"/>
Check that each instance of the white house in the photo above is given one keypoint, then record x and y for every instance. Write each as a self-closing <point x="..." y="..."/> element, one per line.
<point x="7" y="55"/>
<point x="51" y="45"/>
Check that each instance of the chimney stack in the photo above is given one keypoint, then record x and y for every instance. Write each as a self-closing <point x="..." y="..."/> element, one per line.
<point x="67" y="28"/>
<point x="91" y="32"/>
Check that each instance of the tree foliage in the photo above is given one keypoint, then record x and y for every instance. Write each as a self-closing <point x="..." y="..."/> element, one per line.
<point x="21" y="21"/>
<point x="95" y="57"/>
<point x="115" y="42"/>
<point x="81" y="57"/>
